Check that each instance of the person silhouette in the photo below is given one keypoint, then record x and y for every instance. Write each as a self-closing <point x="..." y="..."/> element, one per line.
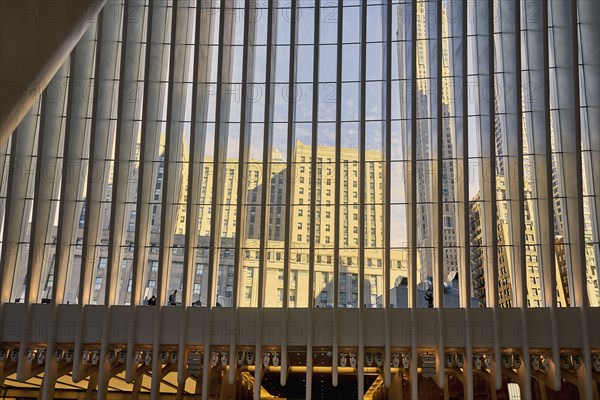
<point x="429" y="298"/>
<point x="173" y="298"/>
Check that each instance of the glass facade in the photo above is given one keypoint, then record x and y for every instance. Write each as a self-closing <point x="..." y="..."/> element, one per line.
<point x="312" y="154"/>
<point x="290" y="139"/>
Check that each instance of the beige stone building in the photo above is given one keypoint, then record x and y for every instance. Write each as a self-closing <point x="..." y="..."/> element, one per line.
<point x="507" y="256"/>
<point x="325" y="231"/>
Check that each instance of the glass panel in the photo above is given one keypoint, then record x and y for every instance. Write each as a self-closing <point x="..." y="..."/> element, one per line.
<point x="454" y="173"/>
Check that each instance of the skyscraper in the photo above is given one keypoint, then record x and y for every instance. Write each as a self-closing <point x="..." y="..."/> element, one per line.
<point x="506" y="256"/>
<point x="427" y="173"/>
<point x="300" y="226"/>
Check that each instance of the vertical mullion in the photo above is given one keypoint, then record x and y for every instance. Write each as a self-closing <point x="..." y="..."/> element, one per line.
<point x="589" y="28"/>
<point x="289" y="177"/>
<point x="338" y="189"/>
<point x="483" y="65"/>
<point x="101" y="145"/>
<point x="338" y="145"/>
<point x="71" y="187"/>
<point x="412" y="197"/>
<point x="266" y="162"/>
<point x="172" y="182"/>
<point x="387" y="184"/>
<point x="220" y="138"/>
<point x="313" y="197"/>
<point x="248" y="63"/>
<point x="23" y="152"/>
<point x="197" y="142"/>
<point x="204" y="31"/>
<point x="170" y="158"/>
<point x="465" y="273"/>
<point x="49" y="137"/>
<point x="124" y="151"/>
<point x="313" y="160"/>
<point x="155" y="32"/>
<point x="492" y="215"/>
<point x="581" y="291"/>
<point x="362" y="144"/>
<point x="67" y="196"/>
<point x="492" y="155"/>
<point x="520" y="163"/>
<point x="483" y="56"/>
<point x="155" y="28"/>
<point x="387" y="140"/>
<point x="172" y="142"/>
<point x="127" y="152"/>
<point x="542" y="144"/>
<point x="290" y="149"/>
<point x="22" y="148"/>
<point x="191" y="225"/>
<point x="509" y="135"/>
<point x="176" y="151"/>
<point x="412" y="176"/>
<point x="199" y="110"/>
<point x="568" y="143"/>
<point x="266" y="187"/>
<point x="4" y="167"/>
<point x="123" y="154"/>
<point x="4" y="159"/>
<point x="438" y="286"/>
<point x="49" y="148"/>
<point x="100" y="150"/>
<point x="220" y="153"/>
<point x="521" y="245"/>
<point x="85" y="279"/>
<point x="362" y="194"/>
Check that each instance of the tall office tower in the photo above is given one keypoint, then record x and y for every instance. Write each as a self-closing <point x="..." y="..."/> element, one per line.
<point x="589" y="213"/>
<point x="592" y="253"/>
<point x="477" y="252"/>
<point x="506" y="256"/>
<point x="253" y="196"/>
<point x="348" y="231"/>
<point x="427" y="175"/>
<point x="325" y="231"/>
<point x="509" y="256"/>
<point x="325" y="196"/>
<point x="324" y="239"/>
<point x="562" y="276"/>
<point x="509" y="225"/>
<point x="506" y="173"/>
<point x="225" y="280"/>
